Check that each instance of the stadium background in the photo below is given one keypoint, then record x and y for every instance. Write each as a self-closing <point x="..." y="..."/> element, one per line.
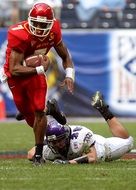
<point x="103" y="51"/>
<point x="104" y="54"/>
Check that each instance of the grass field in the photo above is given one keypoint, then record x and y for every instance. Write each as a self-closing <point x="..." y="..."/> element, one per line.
<point x="19" y="174"/>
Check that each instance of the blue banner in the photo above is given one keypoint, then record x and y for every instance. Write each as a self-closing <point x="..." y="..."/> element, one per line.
<point x="104" y="61"/>
<point x="90" y="53"/>
<point x="4" y="90"/>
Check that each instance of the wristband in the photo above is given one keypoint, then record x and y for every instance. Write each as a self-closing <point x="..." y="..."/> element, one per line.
<point x="70" y="73"/>
<point x="39" y="70"/>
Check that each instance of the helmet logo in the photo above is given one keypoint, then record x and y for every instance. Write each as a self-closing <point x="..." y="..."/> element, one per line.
<point x="42" y="18"/>
<point x="52" y="137"/>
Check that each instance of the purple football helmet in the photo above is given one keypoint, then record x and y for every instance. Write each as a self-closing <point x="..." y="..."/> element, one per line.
<point x="57" y="136"/>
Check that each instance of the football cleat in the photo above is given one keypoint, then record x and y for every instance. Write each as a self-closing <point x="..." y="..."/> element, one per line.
<point x="19" y="116"/>
<point x="97" y="101"/>
<point x="54" y="111"/>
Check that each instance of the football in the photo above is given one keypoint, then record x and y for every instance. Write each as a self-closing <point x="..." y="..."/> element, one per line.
<point x="33" y="61"/>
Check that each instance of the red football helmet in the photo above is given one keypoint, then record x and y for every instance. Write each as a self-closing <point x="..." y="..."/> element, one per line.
<point x="40" y="19"/>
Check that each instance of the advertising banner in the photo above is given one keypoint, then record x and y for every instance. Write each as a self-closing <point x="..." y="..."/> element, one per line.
<point x="104" y="61"/>
<point x="122" y="95"/>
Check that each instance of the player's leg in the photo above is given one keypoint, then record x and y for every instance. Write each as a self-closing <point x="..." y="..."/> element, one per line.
<point x="22" y="103"/>
<point x="116" y="147"/>
<point x="54" y="110"/>
<point x="98" y="103"/>
<point x="116" y="128"/>
<point x="37" y="96"/>
<point x="26" y="110"/>
<point x="39" y="129"/>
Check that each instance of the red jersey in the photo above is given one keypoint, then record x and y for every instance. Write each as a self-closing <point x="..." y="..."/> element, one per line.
<point x="22" y="40"/>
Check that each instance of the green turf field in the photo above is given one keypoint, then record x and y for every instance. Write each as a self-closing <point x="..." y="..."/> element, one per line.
<point x="19" y="174"/>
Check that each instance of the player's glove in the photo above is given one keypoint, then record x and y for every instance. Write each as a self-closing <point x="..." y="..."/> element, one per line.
<point x="58" y="161"/>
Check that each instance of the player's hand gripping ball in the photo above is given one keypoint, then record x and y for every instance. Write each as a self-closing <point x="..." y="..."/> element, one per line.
<point x="45" y="62"/>
<point x="37" y="60"/>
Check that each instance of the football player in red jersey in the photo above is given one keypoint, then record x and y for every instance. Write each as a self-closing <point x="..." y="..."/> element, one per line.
<point x="28" y="84"/>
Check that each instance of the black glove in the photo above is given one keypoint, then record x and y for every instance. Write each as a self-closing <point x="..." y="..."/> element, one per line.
<point x="58" y="161"/>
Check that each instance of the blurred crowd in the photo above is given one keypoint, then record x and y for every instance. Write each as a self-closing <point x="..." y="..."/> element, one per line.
<point x="86" y="9"/>
<point x="12" y="11"/>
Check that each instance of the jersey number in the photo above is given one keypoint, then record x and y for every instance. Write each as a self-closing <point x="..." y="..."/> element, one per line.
<point x="75" y="135"/>
<point x="19" y="27"/>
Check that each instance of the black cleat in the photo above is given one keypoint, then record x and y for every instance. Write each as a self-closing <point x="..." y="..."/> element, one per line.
<point x="19" y="116"/>
<point x="97" y="101"/>
<point x="54" y="111"/>
<point x="38" y="160"/>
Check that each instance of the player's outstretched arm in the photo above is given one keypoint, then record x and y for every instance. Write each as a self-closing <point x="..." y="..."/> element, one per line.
<point x="90" y="157"/>
<point x="67" y="65"/>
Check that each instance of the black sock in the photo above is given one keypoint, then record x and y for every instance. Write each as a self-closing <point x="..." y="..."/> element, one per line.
<point x="38" y="149"/>
<point x="106" y="113"/>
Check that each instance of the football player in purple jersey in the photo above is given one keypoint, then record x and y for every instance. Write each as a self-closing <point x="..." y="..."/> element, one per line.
<point x="75" y="144"/>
